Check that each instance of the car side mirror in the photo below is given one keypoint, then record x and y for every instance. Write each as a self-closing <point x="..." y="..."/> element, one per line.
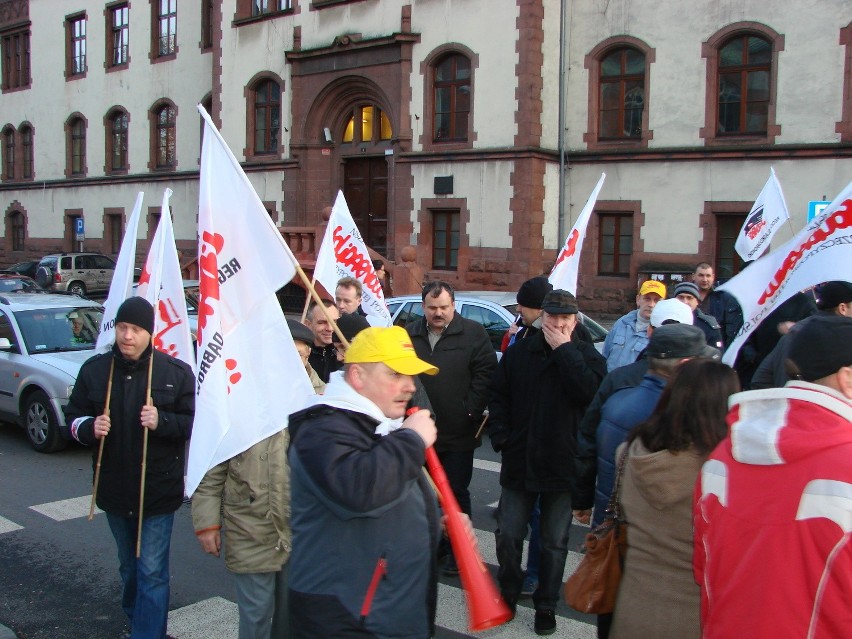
<point x="5" y="344"/>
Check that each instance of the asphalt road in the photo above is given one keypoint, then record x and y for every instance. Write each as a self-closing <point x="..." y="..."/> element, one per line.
<point x="59" y="571"/>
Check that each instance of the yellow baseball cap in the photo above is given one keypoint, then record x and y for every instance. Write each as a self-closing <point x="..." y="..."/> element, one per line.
<point x="390" y="346"/>
<point x="653" y="286"/>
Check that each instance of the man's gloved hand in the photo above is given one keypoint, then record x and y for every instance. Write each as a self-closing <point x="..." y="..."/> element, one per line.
<point x="498" y="440"/>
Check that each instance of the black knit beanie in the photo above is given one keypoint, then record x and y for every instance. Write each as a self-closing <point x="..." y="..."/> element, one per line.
<point x="137" y="311"/>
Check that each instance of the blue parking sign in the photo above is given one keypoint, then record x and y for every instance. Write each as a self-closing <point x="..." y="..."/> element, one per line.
<point x="815" y="207"/>
<point x="79" y="229"/>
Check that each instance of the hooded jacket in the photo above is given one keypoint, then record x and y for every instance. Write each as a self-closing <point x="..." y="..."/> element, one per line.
<point x="360" y="508"/>
<point x="773" y="517"/>
<point x="658" y="596"/>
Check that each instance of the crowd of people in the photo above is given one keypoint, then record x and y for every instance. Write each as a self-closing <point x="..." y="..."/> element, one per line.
<point x="331" y="528"/>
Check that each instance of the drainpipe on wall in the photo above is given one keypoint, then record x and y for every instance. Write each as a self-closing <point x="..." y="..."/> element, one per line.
<point x="561" y="137"/>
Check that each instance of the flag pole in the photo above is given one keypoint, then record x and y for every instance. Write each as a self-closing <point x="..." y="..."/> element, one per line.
<point x="308" y="300"/>
<point x="313" y="291"/>
<point x="148" y="402"/>
<point x="101" y="445"/>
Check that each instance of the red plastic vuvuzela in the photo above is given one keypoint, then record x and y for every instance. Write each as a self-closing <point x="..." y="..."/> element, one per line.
<point x="486" y="608"/>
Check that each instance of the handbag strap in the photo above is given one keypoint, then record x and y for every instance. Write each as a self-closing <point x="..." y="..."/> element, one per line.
<point x="614" y="505"/>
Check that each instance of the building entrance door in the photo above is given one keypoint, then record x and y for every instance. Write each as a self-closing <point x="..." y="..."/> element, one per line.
<point x="365" y="187"/>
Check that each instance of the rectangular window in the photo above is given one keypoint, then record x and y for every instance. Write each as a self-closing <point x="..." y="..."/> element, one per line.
<point x="166" y="28"/>
<point x="18" y="231"/>
<point x="615" y="243"/>
<point x="16" y="59"/>
<point x="206" y="24"/>
<point x="9" y="154"/>
<point x="261" y="7"/>
<point x="445" y="240"/>
<point x="27" y="144"/>
<point x="116" y="233"/>
<point x="728" y="261"/>
<point x="119" y="35"/>
<point x="76" y="33"/>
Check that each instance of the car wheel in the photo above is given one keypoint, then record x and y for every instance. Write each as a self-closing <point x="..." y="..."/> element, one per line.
<point x="44" y="276"/>
<point x="77" y="288"/>
<point x="41" y="424"/>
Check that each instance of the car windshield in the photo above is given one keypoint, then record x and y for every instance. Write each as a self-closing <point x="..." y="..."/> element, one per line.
<point x="18" y="285"/>
<point x="60" y="329"/>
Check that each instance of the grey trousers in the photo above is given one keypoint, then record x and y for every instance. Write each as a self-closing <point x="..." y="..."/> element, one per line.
<point x="262" y="601"/>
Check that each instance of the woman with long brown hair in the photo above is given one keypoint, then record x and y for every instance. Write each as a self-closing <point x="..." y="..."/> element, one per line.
<point x="658" y="596"/>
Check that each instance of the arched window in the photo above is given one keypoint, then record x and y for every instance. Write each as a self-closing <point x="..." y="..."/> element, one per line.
<point x="17" y="225"/>
<point x="743" y="85"/>
<point x="622" y="94"/>
<point x="8" y="153"/>
<point x="368" y="124"/>
<point x="116" y="140"/>
<point x="77" y="146"/>
<point x="164" y="130"/>
<point x="451" y="98"/>
<point x="267" y="117"/>
<point x="27" y="152"/>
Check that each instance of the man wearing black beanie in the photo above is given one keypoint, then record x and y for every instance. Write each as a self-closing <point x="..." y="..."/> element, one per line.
<point x="117" y="414"/>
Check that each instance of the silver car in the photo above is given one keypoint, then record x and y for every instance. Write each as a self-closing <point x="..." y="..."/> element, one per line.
<point x="495" y="310"/>
<point x="78" y="273"/>
<point x="44" y="339"/>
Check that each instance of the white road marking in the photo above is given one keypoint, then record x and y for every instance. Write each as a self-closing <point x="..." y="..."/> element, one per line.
<point x="66" y="508"/>
<point x="484" y="464"/>
<point x="8" y="526"/>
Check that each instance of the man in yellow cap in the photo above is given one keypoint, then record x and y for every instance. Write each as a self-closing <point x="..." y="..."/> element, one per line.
<point x="629" y="334"/>
<point x="364" y="519"/>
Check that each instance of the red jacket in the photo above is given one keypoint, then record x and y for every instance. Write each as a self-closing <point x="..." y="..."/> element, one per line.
<point x="773" y="518"/>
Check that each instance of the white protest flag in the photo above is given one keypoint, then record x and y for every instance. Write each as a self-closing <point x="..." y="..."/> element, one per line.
<point x="343" y="253"/>
<point x="820" y="252"/>
<point x="567" y="267"/>
<point x="766" y="216"/>
<point x="162" y="285"/>
<point x="249" y="376"/>
<point x="121" y="286"/>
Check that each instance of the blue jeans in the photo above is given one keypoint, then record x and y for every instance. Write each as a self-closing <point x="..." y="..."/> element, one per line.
<point x="145" y="598"/>
<point x="514" y="515"/>
<point x="534" y="548"/>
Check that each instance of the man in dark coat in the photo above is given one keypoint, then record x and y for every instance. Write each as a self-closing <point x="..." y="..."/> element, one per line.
<point x="460" y="348"/>
<point x="365" y="522"/>
<point x="721" y="305"/>
<point x="168" y="421"/>
<point x="688" y="293"/>
<point x="540" y="390"/>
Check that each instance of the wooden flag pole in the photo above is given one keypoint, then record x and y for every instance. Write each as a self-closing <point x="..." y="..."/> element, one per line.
<point x="148" y="402"/>
<point x="308" y="301"/>
<point x="101" y="445"/>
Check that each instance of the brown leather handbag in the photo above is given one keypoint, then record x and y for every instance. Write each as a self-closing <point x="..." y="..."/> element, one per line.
<point x="593" y="587"/>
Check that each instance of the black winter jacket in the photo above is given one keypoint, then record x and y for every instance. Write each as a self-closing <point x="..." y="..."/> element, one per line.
<point x="359" y="504"/>
<point x="173" y="393"/>
<point x="538" y="397"/>
<point x="459" y="392"/>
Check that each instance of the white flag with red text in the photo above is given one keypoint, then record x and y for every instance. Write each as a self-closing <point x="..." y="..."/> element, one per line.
<point x="249" y="376"/>
<point x="766" y="216"/>
<point x="161" y="284"/>
<point x="343" y="253"/>
<point x="121" y="286"/>
<point x="567" y="267"/>
<point x="820" y="252"/>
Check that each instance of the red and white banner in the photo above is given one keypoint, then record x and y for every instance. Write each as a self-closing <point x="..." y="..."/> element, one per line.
<point x="567" y="267"/>
<point x="343" y="253"/>
<point x="766" y="216"/>
<point x="121" y="286"/>
<point x="249" y="376"/>
<point x="161" y="284"/>
<point x="822" y="251"/>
